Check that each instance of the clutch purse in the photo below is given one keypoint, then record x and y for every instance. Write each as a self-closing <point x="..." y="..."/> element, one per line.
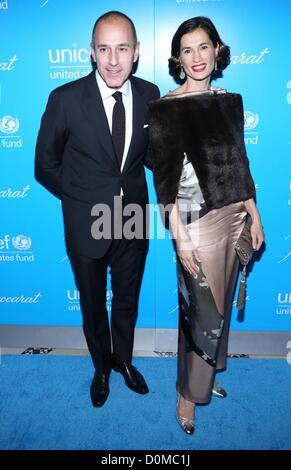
<point x="245" y="251"/>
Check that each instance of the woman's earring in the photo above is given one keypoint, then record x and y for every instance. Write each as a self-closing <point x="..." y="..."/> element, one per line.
<point x="182" y="73"/>
<point x="215" y="66"/>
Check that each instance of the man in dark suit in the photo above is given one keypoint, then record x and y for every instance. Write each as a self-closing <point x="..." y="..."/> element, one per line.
<point x="91" y="149"/>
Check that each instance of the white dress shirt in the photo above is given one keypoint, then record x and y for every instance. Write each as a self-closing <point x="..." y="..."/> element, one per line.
<point x="109" y="102"/>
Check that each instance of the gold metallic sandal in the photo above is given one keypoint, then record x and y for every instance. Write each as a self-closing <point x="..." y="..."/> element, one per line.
<point x="218" y="391"/>
<point x="186" y="424"/>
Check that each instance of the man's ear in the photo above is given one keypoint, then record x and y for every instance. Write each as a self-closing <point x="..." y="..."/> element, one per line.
<point x="93" y="54"/>
<point x="136" y="52"/>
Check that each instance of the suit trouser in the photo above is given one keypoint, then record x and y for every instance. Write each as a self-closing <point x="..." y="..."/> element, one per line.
<point x="126" y="260"/>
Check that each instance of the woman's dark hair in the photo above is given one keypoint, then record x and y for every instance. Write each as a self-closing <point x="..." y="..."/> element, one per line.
<point x="223" y="57"/>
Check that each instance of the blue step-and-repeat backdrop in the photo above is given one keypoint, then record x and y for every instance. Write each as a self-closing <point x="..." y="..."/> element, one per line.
<point x="45" y="43"/>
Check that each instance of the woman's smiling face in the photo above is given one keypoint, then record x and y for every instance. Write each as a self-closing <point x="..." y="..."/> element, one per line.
<point x="197" y="55"/>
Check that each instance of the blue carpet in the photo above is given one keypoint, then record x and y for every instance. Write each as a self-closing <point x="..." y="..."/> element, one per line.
<point x="45" y="404"/>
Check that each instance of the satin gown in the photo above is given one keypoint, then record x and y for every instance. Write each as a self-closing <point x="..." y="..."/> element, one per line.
<point x="205" y="302"/>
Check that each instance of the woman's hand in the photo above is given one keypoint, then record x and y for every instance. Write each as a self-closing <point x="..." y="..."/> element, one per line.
<point x="187" y="255"/>
<point x="184" y="246"/>
<point x="257" y="234"/>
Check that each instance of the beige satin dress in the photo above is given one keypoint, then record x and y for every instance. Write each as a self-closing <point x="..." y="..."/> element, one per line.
<point x="205" y="302"/>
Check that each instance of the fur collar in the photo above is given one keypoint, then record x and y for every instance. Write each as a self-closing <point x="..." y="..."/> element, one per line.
<point x="209" y="129"/>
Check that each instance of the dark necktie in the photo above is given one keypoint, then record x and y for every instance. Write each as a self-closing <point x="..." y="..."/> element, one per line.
<point x="118" y="126"/>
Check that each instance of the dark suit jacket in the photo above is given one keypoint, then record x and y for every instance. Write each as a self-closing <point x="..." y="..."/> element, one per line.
<point x="75" y="159"/>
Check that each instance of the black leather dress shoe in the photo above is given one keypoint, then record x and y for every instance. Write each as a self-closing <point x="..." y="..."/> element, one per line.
<point x="99" y="389"/>
<point x="132" y="377"/>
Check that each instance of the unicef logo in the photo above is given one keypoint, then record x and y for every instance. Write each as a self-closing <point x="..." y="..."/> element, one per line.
<point x="251" y="120"/>
<point x="21" y="242"/>
<point x="9" y="125"/>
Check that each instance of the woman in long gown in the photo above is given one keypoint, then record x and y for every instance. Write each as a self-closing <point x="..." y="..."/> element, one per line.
<point x="203" y="180"/>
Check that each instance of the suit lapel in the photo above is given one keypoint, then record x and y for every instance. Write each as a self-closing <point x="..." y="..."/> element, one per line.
<point x="138" y="114"/>
<point x="94" y="109"/>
